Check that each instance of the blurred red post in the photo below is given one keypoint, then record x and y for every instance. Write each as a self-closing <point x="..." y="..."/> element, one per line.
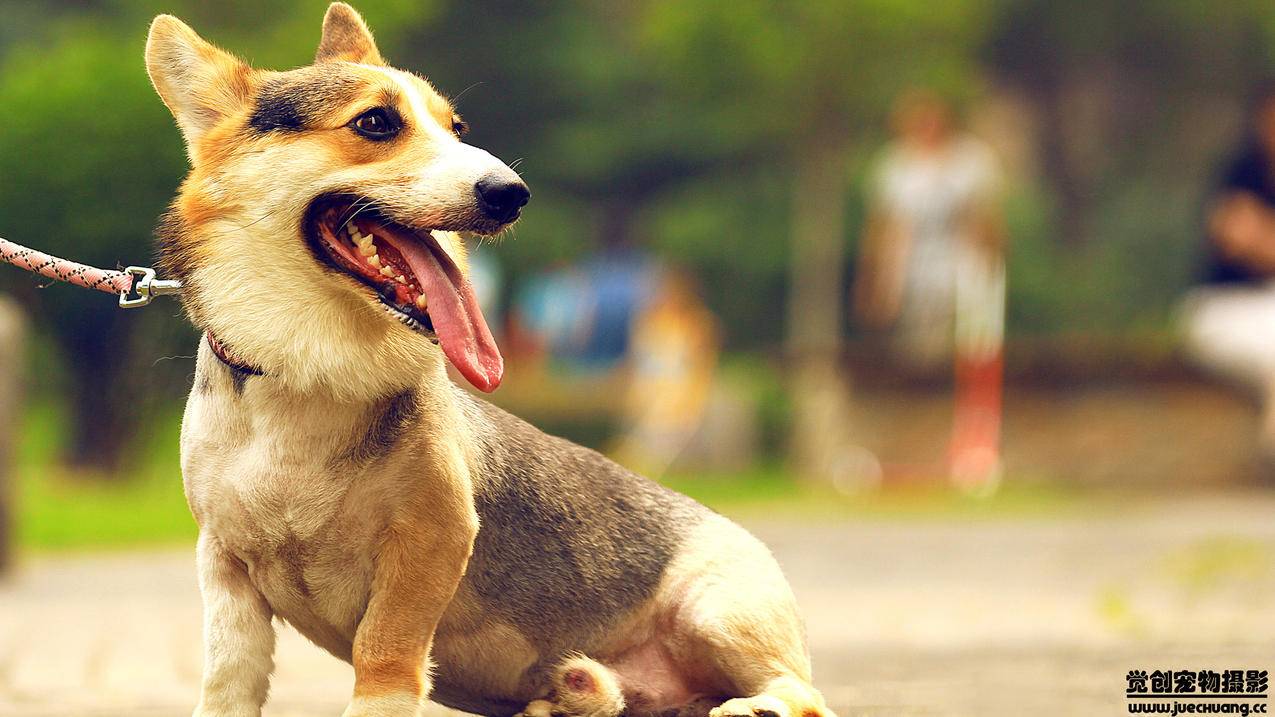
<point x="974" y="453"/>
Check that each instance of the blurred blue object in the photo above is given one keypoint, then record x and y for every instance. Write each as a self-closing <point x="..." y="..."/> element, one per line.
<point x="583" y="314"/>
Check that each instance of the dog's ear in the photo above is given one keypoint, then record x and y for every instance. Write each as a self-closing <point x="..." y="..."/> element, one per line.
<point x="346" y="37"/>
<point x="200" y="84"/>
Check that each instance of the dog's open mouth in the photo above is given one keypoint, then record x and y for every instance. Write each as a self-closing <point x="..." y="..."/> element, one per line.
<point x="415" y="280"/>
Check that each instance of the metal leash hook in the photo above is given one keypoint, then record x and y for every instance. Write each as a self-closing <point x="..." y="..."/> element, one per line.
<point x="146" y="287"/>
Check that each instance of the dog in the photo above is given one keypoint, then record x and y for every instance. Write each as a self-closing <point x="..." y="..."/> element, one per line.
<point x="344" y="484"/>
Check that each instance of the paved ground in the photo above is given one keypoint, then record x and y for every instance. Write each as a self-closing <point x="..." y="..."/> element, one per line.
<point x="906" y="618"/>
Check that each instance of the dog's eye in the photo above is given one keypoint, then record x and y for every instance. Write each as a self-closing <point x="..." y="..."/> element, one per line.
<point x="376" y="124"/>
<point x="459" y="126"/>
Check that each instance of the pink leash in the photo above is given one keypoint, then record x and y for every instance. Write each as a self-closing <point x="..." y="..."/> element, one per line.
<point x="136" y="285"/>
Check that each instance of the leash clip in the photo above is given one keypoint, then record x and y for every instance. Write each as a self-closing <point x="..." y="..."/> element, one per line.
<point x="146" y="287"/>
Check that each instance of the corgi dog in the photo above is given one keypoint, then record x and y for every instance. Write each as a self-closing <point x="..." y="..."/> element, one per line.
<point x="343" y="484"/>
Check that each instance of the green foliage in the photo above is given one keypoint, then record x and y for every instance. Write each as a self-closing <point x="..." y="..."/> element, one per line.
<point x="60" y="508"/>
<point x="780" y="67"/>
<point x="84" y="168"/>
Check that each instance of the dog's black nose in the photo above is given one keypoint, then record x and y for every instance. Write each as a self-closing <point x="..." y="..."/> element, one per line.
<point x="501" y="197"/>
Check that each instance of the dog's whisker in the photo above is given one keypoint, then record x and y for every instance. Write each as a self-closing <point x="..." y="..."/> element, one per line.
<point x="467" y="89"/>
<point x="171" y="358"/>
<point x="354" y="210"/>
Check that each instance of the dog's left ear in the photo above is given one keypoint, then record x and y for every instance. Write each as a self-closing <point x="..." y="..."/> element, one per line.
<point x="346" y="37"/>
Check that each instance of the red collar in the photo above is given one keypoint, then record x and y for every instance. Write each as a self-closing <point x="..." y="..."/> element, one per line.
<point x="228" y="357"/>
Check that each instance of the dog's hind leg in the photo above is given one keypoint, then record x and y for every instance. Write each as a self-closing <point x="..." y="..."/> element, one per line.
<point x="782" y="696"/>
<point x="580" y="687"/>
<point x="761" y="660"/>
<point x="737" y="616"/>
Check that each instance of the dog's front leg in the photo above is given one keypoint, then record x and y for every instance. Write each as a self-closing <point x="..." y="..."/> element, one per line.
<point x="238" y="636"/>
<point x="418" y="569"/>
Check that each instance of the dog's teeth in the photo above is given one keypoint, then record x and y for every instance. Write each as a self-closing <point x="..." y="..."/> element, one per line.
<point x="367" y="249"/>
<point x="422" y="302"/>
<point x="351" y="229"/>
<point x="375" y="260"/>
<point x="386" y="271"/>
<point x="401" y="279"/>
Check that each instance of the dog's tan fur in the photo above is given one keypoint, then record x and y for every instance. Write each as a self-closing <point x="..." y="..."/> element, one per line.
<point x="342" y="490"/>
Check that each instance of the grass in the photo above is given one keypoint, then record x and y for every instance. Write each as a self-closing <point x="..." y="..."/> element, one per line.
<point x="58" y="509"/>
<point x="62" y="509"/>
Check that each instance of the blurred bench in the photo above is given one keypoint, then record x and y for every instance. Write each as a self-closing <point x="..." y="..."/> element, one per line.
<point x="1084" y="409"/>
<point x="1057" y="359"/>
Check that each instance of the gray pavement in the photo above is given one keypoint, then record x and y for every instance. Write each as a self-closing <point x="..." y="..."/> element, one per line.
<point x="914" y="617"/>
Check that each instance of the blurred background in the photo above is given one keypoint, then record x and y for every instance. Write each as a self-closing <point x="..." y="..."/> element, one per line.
<point x="962" y="305"/>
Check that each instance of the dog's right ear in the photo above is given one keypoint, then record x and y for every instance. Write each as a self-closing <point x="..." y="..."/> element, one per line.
<point x="346" y="37"/>
<point x="200" y="84"/>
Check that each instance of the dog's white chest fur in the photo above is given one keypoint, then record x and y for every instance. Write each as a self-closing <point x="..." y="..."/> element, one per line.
<point x="269" y="479"/>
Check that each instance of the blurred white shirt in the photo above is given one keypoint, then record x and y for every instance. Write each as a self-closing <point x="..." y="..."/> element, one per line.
<point x="930" y="194"/>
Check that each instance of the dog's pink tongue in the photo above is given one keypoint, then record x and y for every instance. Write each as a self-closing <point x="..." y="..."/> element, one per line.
<point x="453" y="308"/>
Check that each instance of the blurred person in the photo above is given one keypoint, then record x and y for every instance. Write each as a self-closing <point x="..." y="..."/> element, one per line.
<point x="931" y="269"/>
<point x="1229" y="321"/>
<point x="933" y="218"/>
<point x="550" y="311"/>
<point x="672" y="356"/>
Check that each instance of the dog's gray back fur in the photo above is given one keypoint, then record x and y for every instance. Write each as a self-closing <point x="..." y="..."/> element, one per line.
<point x="598" y="535"/>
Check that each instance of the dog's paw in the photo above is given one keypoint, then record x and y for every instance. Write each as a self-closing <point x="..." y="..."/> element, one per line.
<point x="587" y="688"/>
<point x="393" y="705"/>
<point x="756" y="706"/>
<point x="540" y="708"/>
<point x="204" y="710"/>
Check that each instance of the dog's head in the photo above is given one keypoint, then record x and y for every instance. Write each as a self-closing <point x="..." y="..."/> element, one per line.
<point x="316" y="233"/>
